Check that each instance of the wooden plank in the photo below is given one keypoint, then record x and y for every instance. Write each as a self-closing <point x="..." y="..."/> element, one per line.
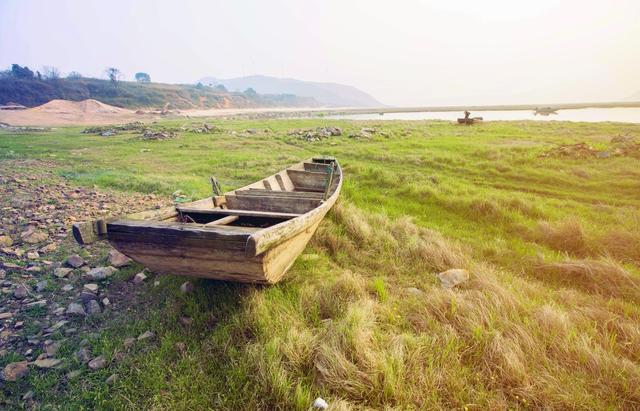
<point x="247" y="213"/>
<point x="222" y="221"/>
<point x="280" y="182"/>
<point x="276" y="204"/>
<point x="266" y="184"/>
<point x="266" y="193"/>
<point x="308" y="180"/>
<point x="319" y="167"/>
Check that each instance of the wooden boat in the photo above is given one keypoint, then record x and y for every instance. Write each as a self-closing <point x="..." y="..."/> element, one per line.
<point x="469" y="120"/>
<point x="252" y="234"/>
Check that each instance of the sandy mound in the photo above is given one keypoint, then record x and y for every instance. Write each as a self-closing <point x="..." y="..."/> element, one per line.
<point x="64" y="112"/>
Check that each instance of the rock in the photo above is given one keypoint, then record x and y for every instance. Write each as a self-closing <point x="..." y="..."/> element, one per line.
<point x="34" y="269"/>
<point x="100" y="273"/>
<point x="181" y="347"/>
<point x="128" y="342"/>
<point x="453" y="277"/>
<point x="75" y="261"/>
<point x="41" y="285"/>
<point x="15" y="370"/>
<point x="105" y="301"/>
<point x="5" y="316"/>
<point x="39" y="303"/>
<point x="186" y="287"/>
<point x="67" y="287"/>
<point x="47" y="363"/>
<point x="319" y="404"/>
<point x="5" y="241"/>
<point x="73" y="374"/>
<point x="52" y="348"/>
<point x="34" y="237"/>
<point x="33" y="255"/>
<point x="139" y="278"/>
<point x="20" y="292"/>
<point x="415" y="291"/>
<point x="62" y="272"/>
<point x="97" y="363"/>
<point x="83" y="355"/>
<point x="75" y="309"/>
<point x="55" y="327"/>
<point x="146" y="335"/>
<point x="27" y="396"/>
<point x="3" y="274"/>
<point x="91" y="287"/>
<point x="117" y="259"/>
<point x="186" y="321"/>
<point x="112" y="379"/>
<point x="49" y="248"/>
<point x="84" y="343"/>
<point x="93" y="307"/>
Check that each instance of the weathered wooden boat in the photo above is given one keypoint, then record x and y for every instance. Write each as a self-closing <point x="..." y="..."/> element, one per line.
<point x="252" y="234"/>
<point x="469" y="120"/>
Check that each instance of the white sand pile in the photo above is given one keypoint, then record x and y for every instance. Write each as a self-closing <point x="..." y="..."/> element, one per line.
<point x="64" y="112"/>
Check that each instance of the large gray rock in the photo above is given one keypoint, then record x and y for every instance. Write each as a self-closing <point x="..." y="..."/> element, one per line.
<point x="453" y="277"/>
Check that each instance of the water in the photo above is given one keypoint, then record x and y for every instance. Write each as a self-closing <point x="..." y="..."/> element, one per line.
<point x="623" y="115"/>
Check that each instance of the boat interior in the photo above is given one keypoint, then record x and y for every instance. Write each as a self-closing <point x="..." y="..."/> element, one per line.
<point x="280" y="197"/>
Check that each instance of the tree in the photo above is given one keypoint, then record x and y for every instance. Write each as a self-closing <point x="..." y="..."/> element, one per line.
<point x="21" y="72"/>
<point x="50" y="73"/>
<point x="74" y="75"/>
<point x="113" y="74"/>
<point x="220" y="87"/>
<point x="143" y="77"/>
<point x="250" y="92"/>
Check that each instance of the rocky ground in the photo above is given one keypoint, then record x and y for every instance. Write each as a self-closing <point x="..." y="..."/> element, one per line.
<point x="53" y="292"/>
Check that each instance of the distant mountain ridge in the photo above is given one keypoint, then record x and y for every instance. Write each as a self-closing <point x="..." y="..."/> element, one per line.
<point x="328" y="94"/>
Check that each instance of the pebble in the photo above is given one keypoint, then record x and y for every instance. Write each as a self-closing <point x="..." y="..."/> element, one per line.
<point x="139" y="278"/>
<point x="33" y="255"/>
<point x="117" y="259"/>
<point x="100" y="273"/>
<point x="62" y="272"/>
<point x="186" y="287"/>
<point x="34" y="237"/>
<point x="15" y="370"/>
<point x="75" y="261"/>
<point x="105" y="301"/>
<point x="320" y="404"/>
<point x="47" y="363"/>
<point x="83" y="355"/>
<point x="67" y="287"/>
<point x="41" y="285"/>
<point x="112" y="379"/>
<point x="73" y="374"/>
<point x="97" y="363"/>
<point x="91" y="287"/>
<point x="5" y="316"/>
<point x="20" y="292"/>
<point x="5" y="241"/>
<point x="146" y="335"/>
<point x="128" y="342"/>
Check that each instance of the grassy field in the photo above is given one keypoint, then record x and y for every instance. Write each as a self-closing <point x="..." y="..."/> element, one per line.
<point x="549" y="319"/>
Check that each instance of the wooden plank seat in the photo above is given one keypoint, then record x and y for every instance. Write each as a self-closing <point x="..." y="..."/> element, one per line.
<point x="274" y="203"/>
<point x="308" y="180"/>
<point x="242" y="213"/>
<point x="259" y="192"/>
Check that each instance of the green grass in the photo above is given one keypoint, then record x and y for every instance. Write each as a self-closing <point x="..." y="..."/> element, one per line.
<point x="549" y="319"/>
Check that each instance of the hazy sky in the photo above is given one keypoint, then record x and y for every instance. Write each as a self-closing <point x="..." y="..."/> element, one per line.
<point x="402" y="52"/>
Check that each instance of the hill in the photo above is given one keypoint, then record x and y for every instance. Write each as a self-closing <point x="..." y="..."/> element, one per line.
<point x="32" y="92"/>
<point x="329" y="94"/>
